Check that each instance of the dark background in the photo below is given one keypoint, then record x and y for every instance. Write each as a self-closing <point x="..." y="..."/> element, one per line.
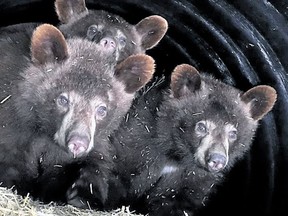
<point x="242" y="42"/>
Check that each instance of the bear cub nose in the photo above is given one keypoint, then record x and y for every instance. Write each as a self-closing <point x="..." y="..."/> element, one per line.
<point x="78" y="145"/>
<point x="216" y="162"/>
<point x="108" y="43"/>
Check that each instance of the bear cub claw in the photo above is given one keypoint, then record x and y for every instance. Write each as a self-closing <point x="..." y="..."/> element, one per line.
<point x="95" y="183"/>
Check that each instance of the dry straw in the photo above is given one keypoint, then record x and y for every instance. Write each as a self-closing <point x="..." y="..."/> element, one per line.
<point x="12" y="204"/>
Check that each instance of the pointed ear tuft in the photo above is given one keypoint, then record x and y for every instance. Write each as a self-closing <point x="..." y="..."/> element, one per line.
<point x="48" y="45"/>
<point x="185" y="79"/>
<point x="67" y="9"/>
<point x="135" y="71"/>
<point x="151" y="30"/>
<point x="261" y="100"/>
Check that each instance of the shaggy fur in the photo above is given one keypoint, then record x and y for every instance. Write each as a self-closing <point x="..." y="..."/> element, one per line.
<point x="76" y="21"/>
<point x="94" y="25"/>
<point x="66" y="101"/>
<point x="172" y="149"/>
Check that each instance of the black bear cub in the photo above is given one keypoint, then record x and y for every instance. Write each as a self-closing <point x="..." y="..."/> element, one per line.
<point x="95" y="25"/>
<point x="65" y="102"/>
<point x="76" y="21"/>
<point x="173" y="148"/>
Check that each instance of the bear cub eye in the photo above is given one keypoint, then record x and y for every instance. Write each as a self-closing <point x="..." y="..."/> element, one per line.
<point x="101" y="111"/>
<point x="92" y="31"/>
<point x="63" y="100"/>
<point x="232" y="135"/>
<point x="122" y="41"/>
<point x="201" y="128"/>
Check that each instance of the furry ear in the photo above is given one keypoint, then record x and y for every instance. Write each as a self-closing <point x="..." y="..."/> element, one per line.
<point x="260" y="99"/>
<point x="48" y="45"/>
<point x="135" y="71"/>
<point x="67" y="9"/>
<point x="185" y="80"/>
<point x="151" y="30"/>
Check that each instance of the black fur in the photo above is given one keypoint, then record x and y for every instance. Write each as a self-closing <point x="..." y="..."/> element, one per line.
<point x="58" y="102"/>
<point x="79" y="22"/>
<point x="158" y="167"/>
<point x="92" y="25"/>
<point x="95" y="25"/>
<point x="82" y="23"/>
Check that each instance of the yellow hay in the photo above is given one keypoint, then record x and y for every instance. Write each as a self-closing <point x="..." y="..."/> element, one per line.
<point x="12" y="204"/>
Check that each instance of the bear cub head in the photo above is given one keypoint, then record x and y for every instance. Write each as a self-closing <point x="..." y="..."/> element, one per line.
<point x="211" y="120"/>
<point x="101" y="26"/>
<point x="74" y="92"/>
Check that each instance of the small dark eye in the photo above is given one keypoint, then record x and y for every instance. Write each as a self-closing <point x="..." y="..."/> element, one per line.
<point x="232" y="135"/>
<point x="201" y="127"/>
<point x="62" y="100"/>
<point x="101" y="111"/>
<point x="122" y="41"/>
<point x="92" y="31"/>
<point x="93" y="28"/>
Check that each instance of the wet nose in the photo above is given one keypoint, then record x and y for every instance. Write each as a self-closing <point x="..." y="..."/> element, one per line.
<point x="78" y="145"/>
<point x="108" y="43"/>
<point x="216" y="162"/>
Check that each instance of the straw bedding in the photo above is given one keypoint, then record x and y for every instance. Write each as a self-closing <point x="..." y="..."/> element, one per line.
<point x="12" y="204"/>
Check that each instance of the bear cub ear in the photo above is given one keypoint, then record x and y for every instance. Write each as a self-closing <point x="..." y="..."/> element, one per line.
<point x="67" y="9"/>
<point x="135" y="71"/>
<point x="260" y="100"/>
<point x="151" y="30"/>
<point x="185" y="80"/>
<point x="48" y="45"/>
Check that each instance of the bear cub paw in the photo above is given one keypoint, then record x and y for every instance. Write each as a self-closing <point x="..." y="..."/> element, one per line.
<point x="91" y="185"/>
